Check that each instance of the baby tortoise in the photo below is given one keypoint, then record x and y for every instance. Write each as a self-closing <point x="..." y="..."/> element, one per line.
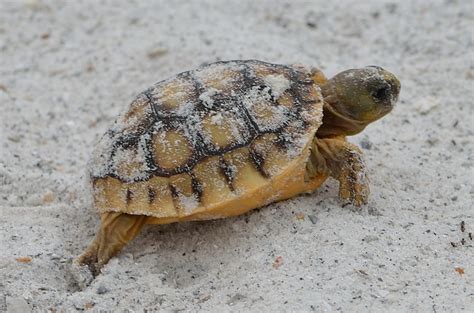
<point x="229" y="137"/>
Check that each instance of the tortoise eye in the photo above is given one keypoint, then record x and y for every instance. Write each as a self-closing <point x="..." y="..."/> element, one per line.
<point x="381" y="94"/>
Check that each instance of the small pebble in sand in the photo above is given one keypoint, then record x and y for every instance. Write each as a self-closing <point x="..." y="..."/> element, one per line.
<point x="278" y="262"/>
<point x="235" y="298"/>
<point x="24" y="259"/>
<point x="157" y="53"/>
<point x="48" y="197"/>
<point x="102" y="289"/>
<point x="313" y="219"/>
<point x="362" y="272"/>
<point x="299" y="216"/>
<point x="460" y="270"/>
<point x="204" y="298"/>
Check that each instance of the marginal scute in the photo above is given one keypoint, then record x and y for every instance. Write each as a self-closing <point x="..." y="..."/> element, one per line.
<point x="185" y="199"/>
<point x="294" y="137"/>
<point x="276" y="158"/>
<point x="171" y="148"/>
<point x="137" y="197"/>
<point x="215" y="188"/>
<point x="110" y="194"/>
<point x="161" y="202"/>
<point x="247" y="176"/>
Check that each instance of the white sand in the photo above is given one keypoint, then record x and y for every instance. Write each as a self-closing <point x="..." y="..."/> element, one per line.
<point x="67" y="69"/>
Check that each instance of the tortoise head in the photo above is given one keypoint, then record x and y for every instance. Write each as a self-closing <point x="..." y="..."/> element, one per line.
<point x="357" y="97"/>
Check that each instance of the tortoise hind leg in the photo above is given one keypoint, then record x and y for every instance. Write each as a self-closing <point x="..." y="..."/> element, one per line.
<point x="116" y="230"/>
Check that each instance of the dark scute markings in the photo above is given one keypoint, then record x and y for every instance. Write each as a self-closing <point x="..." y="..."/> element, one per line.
<point x="197" y="188"/>
<point x="151" y="102"/>
<point x="151" y="194"/>
<point x="249" y="78"/>
<point x="258" y="161"/>
<point x="228" y="172"/>
<point x="269" y="91"/>
<point x="128" y="141"/>
<point x="300" y="81"/>
<point x="129" y="196"/>
<point x="174" y="194"/>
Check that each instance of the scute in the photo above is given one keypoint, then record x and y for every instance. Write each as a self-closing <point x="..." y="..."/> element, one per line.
<point x="160" y="198"/>
<point x="215" y="186"/>
<point x="130" y="162"/>
<point x="223" y="129"/>
<point x="273" y="155"/>
<point x="247" y="176"/>
<point x="205" y="138"/>
<point x="171" y="148"/>
<point x="183" y="192"/>
<point x="223" y="77"/>
<point x="175" y="97"/>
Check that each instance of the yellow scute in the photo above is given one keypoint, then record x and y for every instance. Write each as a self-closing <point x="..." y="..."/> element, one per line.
<point x="171" y="149"/>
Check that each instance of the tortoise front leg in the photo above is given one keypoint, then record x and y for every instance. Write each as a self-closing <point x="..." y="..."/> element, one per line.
<point x="345" y="162"/>
<point x="116" y="230"/>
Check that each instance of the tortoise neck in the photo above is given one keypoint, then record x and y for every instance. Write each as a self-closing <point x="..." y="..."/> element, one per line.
<point x="335" y="124"/>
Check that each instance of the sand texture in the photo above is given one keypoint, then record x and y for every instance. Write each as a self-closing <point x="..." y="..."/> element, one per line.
<point x="67" y="68"/>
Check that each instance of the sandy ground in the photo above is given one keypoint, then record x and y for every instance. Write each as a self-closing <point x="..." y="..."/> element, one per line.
<point x="66" y="70"/>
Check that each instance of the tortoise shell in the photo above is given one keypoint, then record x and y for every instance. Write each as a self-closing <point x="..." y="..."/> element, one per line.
<point x="205" y="139"/>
